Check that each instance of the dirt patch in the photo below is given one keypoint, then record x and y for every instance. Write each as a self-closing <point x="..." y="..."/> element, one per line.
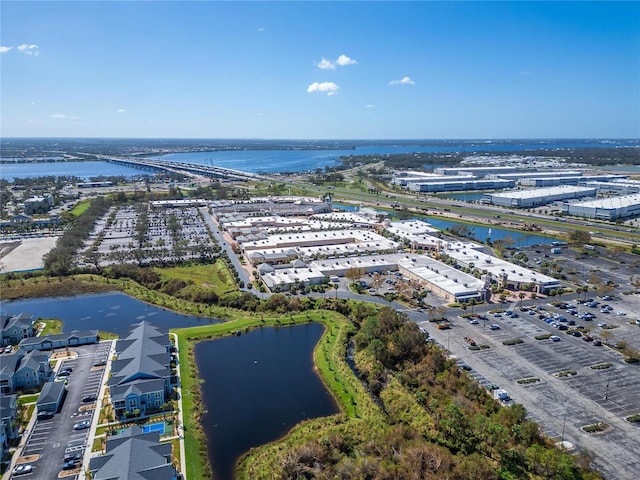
<point x="64" y="356"/>
<point x="27" y="459"/>
<point x="69" y="473"/>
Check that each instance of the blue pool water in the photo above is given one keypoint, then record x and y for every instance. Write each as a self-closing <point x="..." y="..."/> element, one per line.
<point x="154" y="427"/>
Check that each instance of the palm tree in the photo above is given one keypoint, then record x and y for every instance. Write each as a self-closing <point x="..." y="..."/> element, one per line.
<point x="533" y="297"/>
<point x="521" y="296"/>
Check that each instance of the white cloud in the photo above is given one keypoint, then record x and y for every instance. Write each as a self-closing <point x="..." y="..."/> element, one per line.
<point x="60" y="116"/>
<point x="29" y="49"/>
<point x="403" y="81"/>
<point x="343" y="61"/>
<point x="75" y="117"/>
<point x="4" y="49"/>
<point x="369" y="105"/>
<point x="121" y="110"/>
<point x="325" y="64"/>
<point x="329" y="88"/>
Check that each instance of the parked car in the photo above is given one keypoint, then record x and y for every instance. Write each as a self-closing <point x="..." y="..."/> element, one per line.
<point x="23" y="469"/>
<point x="473" y="321"/>
<point x="99" y="363"/>
<point x="44" y="415"/>
<point x="493" y="326"/>
<point x="69" y="465"/>
<point x="82" y="425"/>
<point x="554" y="338"/>
<point x="73" y="456"/>
<point x="89" y="398"/>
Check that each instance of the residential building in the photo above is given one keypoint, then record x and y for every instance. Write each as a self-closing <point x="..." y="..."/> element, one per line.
<point x="15" y="328"/>
<point x="8" y="422"/>
<point x="40" y="204"/>
<point x="62" y="340"/>
<point x="22" y="370"/>
<point x="134" y="455"/>
<point x="141" y="375"/>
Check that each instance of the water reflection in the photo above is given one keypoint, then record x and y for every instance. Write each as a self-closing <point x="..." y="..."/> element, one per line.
<point x="257" y="386"/>
<point x="110" y="312"/>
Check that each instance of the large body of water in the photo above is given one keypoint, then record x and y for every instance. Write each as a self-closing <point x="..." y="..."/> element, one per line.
<point x="109" y="312"/>
<point x="84" y="170"/>
<point x="257" y="386"/>
<point x="275" y="161"/>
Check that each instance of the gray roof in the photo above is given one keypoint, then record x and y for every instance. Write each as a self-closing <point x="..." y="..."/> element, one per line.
<point x="20" y="359"/>
<point x="22" y="320"/>
<point x="134" y="456"/>
<point x="60" y="336"/>
<point x="7" y="406"/>
<point x="137" y="388"/>
<point x="51" y="392"/>
<point x="142" y="355"/>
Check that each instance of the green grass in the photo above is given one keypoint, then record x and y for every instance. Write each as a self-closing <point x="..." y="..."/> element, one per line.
<point x="601" y="366"/>
<point x="544" y="336"/>
<point x="80" y="208"/>
<point x="633" y="418"/>
<point x="527" y="381"/>
<point x="595" y="428"/>
<point x="513" y="341"/>
<point x="566" y="373"/>
<point x="24" y="399"/>
<point x="53" y="326"/>
<point x="215" y="276"/>
<point x="329" y="358"/>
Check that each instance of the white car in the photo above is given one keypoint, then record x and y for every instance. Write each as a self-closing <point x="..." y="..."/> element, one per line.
<point x="554" y="338"/>
<point x="622" y="314"/>
<point x="493" y="326"/>
<point x="82" y="425"/>
<point x="23" y="469"/>
<point x="473" y="321"/>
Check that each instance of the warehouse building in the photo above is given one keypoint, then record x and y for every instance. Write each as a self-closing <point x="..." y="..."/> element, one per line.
<point x="406" y="180"/>
<point x="611" y="208"/>
<point x="538" y="197"/>
<point x="506" y="274"/>
<point x="477" y="171"/>
<point x="461" y="185"/>
<point x="618" y="187"/>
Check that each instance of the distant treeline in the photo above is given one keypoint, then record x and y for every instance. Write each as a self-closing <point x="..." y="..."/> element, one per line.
<point x="596" y="156"/>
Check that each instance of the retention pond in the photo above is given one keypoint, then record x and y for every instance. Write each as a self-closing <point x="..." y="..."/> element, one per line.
<point x="257" y="386"/>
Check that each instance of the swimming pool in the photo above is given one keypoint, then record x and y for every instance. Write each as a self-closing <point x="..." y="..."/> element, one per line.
<point x="154" y="427"/>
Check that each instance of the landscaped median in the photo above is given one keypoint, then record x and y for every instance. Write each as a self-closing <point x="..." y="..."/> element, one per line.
<point x="329" y="358"/>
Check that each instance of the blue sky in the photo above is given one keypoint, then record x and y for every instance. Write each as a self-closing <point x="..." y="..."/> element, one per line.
<point x="320" y="69"/>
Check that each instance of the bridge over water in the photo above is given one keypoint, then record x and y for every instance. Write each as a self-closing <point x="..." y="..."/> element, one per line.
<point x="184" y="168"/>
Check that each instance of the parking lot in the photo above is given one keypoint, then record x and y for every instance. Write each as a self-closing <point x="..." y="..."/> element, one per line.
<point x="563" y="403"/>
<point x="65" y="435"/>
<point x="116" y="238"/>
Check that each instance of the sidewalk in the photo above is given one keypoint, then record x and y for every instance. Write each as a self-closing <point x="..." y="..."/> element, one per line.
<point x="96" y="415"/>
<point x="180" y="426"/>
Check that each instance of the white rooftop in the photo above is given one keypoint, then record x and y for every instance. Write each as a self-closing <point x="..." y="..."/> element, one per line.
<point x="611" y="202"/>
<point x="543" y="192"/>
